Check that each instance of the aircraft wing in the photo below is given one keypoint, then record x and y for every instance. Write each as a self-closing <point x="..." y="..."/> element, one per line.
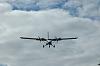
<point x="28" y="38"/>
<point x="68" y="38"/>
<point x="58" y="39"/>
<point x="40" y="39"/>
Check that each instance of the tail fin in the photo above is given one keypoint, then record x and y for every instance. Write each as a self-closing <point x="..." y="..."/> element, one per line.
<point x="48" y="35"/>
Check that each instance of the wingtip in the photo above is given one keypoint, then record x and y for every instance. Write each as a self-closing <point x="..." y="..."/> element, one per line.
<point x="76" y="37"/>
<point x="21" y="37"/>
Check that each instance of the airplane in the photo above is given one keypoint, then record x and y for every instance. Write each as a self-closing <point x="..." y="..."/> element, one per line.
<point x="48" y="40"/>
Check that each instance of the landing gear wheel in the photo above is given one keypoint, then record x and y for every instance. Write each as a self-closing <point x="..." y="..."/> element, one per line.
<point x="43" y="46"/>
<point x="49" y="46"/>
<point x="54" y="46"/>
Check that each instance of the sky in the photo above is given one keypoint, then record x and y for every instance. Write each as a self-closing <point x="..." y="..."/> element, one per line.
<point x="62" y="18"/>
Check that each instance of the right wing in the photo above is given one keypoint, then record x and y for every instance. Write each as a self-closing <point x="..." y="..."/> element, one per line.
<point x="68" y="38"/>
<point x="28" y="38"/>
<point x="39" y="39"/>
<point x="59" y="39"/>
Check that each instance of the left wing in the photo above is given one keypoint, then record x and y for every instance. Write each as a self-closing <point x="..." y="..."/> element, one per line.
<point x="40" y="39"/>
<point x="28" y="38"/>
<point x="58" y="39"/>
<point x="67" y="38"/>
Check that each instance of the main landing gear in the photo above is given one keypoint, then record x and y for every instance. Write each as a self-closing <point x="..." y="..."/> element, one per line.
<point x="43" y="46"/>
<point x="49" y="46"/>
<point x="54" y="46"/>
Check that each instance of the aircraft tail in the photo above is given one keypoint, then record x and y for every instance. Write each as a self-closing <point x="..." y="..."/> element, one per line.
<point x="48" y="35"/>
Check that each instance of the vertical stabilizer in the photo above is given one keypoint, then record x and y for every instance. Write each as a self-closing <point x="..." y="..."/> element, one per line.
<point x="48" y="35"/>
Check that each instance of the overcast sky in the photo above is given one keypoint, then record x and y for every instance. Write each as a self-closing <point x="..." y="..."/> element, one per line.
<point x="62" y="18"/>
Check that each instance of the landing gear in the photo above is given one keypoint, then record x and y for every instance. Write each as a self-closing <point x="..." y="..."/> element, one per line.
<point x="43" y="46"/>
<point x="49" y="46"/>
<point x="54" y="46"/>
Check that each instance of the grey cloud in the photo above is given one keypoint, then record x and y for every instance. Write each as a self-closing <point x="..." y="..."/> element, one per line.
<point x="17" y="52"/>
<point x="5" y="7"/>
<point x="85" y="9"/>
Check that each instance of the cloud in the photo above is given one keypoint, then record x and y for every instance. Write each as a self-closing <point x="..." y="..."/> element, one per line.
<point x="3" y="64"/>
<point x="5" y="7"/>
<point x="61" y="19"/>
<point x="17" y="52"/>
<point x="36" y="5"/>
<point x="85" y="9"/>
